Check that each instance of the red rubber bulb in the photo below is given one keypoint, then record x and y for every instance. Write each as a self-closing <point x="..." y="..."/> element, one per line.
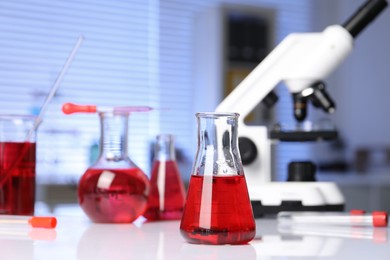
<point x="70" y="108"/>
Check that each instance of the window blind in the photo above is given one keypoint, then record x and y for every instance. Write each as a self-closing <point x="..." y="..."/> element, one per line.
<point x="113" y="67"/>
<point x="135" y="52"/>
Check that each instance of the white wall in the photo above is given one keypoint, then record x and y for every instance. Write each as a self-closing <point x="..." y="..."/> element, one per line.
<point x="360" y="86"/>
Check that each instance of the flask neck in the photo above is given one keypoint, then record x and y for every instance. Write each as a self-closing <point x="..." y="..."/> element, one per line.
<point x="113" y="136"/>
<point x="218" y="152"/>
<point x="165" y="148"/>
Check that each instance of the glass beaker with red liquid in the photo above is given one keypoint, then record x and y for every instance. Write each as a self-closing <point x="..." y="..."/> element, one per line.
<point x="113" y="189"/>
<point x="218" y="210"/>
<point x="17" y="164"/>
<point x="167" y="194"/>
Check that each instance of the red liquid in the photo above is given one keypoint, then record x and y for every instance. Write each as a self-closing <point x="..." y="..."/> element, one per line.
<point x="218" y="211"/>
<point x="167" y="195"/>
<point x="113" y="195"/>
<point x="17" y="178"/>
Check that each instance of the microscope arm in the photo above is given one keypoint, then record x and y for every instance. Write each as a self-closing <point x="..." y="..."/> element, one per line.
<point x="300" y="60"/>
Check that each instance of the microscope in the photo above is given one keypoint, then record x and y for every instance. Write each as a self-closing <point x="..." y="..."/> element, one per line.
<point x="301" y="61"/>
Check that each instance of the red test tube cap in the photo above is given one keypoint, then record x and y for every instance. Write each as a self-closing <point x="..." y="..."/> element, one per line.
<point x="43" y="222"/>
<point x="379" y="219"/>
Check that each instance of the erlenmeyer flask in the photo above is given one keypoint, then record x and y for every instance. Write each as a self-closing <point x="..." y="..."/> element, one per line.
<point x="113" y="189"/>
<point x="218" y="209"/>
<point x="167" y="194"/>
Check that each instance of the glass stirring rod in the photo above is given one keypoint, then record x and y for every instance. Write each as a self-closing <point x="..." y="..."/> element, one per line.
<point x="70" y="108"/>
<point x="375" y="219"/>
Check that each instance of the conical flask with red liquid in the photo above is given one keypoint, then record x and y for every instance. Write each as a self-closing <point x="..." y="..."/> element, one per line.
<point x="113" y="189"/>
<point x="218" y="209"/>
<point x="167" y="194"/>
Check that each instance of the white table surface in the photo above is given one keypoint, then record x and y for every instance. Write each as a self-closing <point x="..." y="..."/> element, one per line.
<point x="77" y="238"/>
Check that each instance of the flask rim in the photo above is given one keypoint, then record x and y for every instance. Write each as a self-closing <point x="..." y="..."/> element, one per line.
<point x="216" y="114"/>
<point x="112" y="114"/>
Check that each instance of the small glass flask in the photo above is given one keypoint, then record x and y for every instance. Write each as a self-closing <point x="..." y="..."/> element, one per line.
<point x="113" y="189"/>
<point x="218" y="210"/>
<point x="167" y="194"/>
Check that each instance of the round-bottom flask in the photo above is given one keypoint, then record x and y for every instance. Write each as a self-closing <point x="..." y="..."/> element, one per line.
<point x="218" y="209"/>
<point x="113" y="189"/>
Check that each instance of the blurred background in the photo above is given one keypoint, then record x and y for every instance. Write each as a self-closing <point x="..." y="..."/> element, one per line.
<point x="183" y="57"/>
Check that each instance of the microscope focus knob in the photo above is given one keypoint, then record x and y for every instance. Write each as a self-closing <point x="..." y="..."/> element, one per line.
<point x="248" y="150"/>
<point x="301" y="171"/>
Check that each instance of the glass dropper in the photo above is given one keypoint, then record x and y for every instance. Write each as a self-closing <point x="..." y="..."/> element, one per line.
<point x="70" y="108"/>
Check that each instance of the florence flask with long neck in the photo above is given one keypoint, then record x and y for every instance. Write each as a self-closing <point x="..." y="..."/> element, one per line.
<point x="113" y="189"/>
<point x="218" y="209"/>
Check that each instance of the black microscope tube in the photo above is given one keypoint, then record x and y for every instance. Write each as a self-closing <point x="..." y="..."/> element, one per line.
<point x="364" y="15"/>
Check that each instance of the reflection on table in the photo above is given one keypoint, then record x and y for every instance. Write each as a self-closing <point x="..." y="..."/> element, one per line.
<point x="77" y="238"/>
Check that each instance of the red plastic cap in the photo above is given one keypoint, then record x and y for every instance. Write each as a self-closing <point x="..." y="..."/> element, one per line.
<point x="379" y="218"/>
<point x="43" y="222"/>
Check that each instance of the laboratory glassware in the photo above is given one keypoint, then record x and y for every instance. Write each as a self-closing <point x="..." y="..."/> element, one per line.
<point x="28" y="221"/>
<point x="70" y="108"/>
<point x="17" y="164"/>
<point x="167" y="194"/>
<point x="114" y="189"/>
<point x="374" y="219"/>
<point x="217" y="209"/>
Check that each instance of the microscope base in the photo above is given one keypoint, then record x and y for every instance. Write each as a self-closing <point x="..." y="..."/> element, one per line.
<point x="271" y="198"/>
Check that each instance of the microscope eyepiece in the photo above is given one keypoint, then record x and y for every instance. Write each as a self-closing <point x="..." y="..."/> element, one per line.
<point x="364" y="16"/>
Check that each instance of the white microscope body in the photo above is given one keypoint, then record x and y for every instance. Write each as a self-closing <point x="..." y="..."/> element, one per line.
<point x="299" y="61"/>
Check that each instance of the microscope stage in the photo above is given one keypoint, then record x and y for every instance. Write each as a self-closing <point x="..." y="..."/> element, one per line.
<point x="303" y="136"/>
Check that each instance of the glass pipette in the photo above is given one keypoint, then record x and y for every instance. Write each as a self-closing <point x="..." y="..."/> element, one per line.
<point x="375" y="219"/>
<point x="70" y="108"/>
